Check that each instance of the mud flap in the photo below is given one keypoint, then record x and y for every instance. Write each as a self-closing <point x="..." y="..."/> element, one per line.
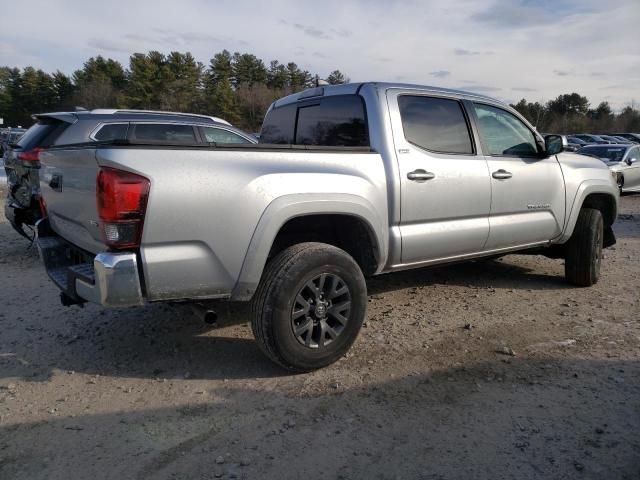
<point x="609" y="238"/>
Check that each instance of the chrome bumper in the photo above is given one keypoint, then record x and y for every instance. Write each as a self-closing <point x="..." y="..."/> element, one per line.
<point x="111" y="280"/>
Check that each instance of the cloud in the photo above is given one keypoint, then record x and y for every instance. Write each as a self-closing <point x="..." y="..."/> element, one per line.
<point x="464" y="52"/>
<point x="489" y="44"/>
<point x="479" y="88"/>
<point x="109" y="45"/>
<point x="312" y="31"/>
<point x="342" y="32"/>
<point x="519" y="13"/>
<point x="440" y="73"/>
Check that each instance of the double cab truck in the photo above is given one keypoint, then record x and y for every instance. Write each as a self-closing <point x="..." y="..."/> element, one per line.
<point x="347" y="182"/>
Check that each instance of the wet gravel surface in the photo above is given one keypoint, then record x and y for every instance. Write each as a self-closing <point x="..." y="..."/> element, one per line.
<point x="490" y="369"/>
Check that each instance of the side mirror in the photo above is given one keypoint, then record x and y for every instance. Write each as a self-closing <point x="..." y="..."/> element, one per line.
<point x="631" y="160"/>
<point x="553" y="144"/>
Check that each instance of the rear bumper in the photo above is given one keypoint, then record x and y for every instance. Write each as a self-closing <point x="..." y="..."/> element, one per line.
<point x="110" y="279"/>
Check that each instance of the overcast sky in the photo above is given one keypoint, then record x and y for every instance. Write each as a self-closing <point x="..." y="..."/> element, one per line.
<point x="506" y="49"/>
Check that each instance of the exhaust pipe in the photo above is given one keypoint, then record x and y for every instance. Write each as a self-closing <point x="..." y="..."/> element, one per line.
<point x="207" y="315"/>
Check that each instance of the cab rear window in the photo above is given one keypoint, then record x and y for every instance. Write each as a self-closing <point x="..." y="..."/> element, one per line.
<point x="331" y="121"/>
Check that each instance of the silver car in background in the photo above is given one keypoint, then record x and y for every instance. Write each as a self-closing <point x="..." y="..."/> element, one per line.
<point x="624" y="159"/>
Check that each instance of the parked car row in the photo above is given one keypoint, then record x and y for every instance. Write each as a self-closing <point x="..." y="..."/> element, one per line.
<point x="9" y="136"/>
<point x="23" y="207"/>
<point x="620" y="151"/>
<point x="623" y="159"/>
<point x="574" y="142"/>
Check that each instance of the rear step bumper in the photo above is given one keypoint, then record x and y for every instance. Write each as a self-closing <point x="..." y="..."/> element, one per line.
<point x="112" y="279"/>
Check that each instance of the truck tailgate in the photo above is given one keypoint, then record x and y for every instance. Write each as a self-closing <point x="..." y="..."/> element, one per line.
<point x="68" y="186"/>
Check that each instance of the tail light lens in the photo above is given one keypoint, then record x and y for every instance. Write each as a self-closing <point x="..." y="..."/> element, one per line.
<point x="31" y="156"/>
<point x="42" y="206"/>
<point x="122" y="202"/>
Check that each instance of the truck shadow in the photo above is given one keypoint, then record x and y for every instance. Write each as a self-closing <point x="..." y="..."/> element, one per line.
<point x="534" y="418"/>
<point x="156" y="342"/>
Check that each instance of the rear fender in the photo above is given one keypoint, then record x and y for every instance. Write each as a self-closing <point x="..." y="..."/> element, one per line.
<point x="283" y="209"/>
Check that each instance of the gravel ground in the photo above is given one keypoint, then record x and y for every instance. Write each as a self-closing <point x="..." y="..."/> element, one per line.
<point x="490" y="369"/>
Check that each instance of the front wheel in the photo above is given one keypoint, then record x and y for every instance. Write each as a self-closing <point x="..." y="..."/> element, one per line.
<point x="584" y="249"/>
<point x="309" y="306"/>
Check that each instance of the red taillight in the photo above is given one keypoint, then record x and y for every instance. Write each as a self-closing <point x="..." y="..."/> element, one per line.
<point x="30" y="155"/>
<point x="122" y="201"/>
<point x="42" y="205"/>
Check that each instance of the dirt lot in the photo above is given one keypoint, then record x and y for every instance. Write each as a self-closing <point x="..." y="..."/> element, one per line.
<point x="154" y="393"/>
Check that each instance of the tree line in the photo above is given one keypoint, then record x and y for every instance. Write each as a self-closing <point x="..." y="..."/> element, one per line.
<point x="238" y="87"/>
<point x="571" y="113"/>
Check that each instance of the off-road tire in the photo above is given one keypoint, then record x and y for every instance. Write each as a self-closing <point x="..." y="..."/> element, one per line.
<point x="273" y="302"/>
<point x="584" y="249"/>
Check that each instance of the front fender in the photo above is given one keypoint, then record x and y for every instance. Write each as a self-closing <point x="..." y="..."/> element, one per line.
<point x="287" y="207"/>
<point x="585" y="189"/>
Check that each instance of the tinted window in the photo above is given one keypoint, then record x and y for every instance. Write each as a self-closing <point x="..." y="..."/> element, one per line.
<point x="219" y="135"/>
<point x="436" y="124"/>
<point x="116" y="131"/>
<point x="42" y="134"/>
<point x="169" y="133"/>
<point x="504" y="134"/>
<point x="279" y="125"/>
<point x="610" y="154"/>
<point x="335" y="121"/>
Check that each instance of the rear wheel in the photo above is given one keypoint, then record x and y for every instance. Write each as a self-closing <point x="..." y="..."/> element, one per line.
<point x="309" y="306"/>
<point x="584" y="249"/>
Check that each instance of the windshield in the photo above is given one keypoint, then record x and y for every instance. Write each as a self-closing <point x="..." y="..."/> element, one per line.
<point x="609" y="154"/>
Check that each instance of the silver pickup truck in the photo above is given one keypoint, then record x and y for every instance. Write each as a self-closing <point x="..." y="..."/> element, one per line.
<point x="348" y="181"/>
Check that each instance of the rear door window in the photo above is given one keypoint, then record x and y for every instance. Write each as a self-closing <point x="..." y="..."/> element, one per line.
<point x="220" y="135"/>
<point x="435" y="124"/>
<point x="164" y="133"/>
<point x="334" y="121"/>
<point x="503" y="133"/>
<point x="112" y="131"/>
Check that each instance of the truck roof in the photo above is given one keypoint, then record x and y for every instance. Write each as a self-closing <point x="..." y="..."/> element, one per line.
<point x="353" y="88"/>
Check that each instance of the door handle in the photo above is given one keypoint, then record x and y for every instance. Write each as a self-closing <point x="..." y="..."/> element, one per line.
<point x="420" y="175"/>
<point x="501" y="174"/>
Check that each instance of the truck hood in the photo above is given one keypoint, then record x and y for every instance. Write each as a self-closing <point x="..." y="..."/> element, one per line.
<point x="576" y="160"/>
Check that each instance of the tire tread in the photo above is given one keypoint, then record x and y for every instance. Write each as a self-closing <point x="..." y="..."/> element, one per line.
<point x="579" y="269"/>
<point x="276" y="271"/>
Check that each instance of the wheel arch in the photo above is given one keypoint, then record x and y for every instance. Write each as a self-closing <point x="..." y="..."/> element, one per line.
<point x="290" y="213"/>
<point x="591" y="194"/>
